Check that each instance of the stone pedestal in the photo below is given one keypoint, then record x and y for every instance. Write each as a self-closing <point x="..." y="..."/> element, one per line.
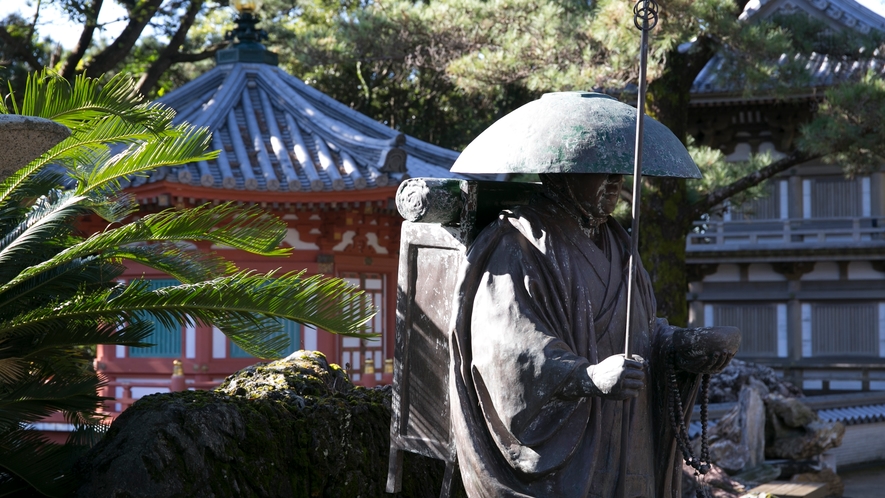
<point x="24" y="138"/>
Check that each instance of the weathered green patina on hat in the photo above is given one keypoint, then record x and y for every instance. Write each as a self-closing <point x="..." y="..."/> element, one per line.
<point x="575" y="132"/>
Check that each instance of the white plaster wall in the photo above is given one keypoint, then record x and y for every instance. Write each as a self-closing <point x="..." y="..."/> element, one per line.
<point x="862" y="443"/>
<point x="769" y="147"/>
<point x="823" y="270"/>
<point x="863" y="270"/>
<point x="293" y="238"/>
<point x="219" y="343"/>
<point x="762" y="272"/>
<point x="725" y="273"/>
<point x="741" y="152"/>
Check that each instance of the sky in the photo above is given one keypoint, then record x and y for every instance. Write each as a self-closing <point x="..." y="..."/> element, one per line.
<point x="63" y="30"/>
<point x="877" y="6"/>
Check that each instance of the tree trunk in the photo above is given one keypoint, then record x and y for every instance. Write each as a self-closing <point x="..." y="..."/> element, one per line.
<point x="167" y="57"/>
<point x="70" y="65"/>
<point x="667" y="215"/>
<point x="662" y="244"/>
<point x="113" y="54"/>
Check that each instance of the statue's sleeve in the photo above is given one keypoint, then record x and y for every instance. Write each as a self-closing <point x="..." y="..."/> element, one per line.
<point x="669" y="473"/>
<point x="522" y="356"/>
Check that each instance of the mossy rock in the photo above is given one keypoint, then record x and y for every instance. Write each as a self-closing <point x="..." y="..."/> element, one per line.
<point x="295" y="427"/>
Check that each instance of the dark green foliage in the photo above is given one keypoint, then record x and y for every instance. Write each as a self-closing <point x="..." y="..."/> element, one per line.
<point x="849" y="126"/>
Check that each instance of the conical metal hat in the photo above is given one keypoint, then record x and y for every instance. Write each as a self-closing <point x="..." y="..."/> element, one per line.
<point x="575" y="132"/>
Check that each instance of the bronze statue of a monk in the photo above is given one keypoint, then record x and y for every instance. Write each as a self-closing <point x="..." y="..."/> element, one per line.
<point x="538" y="380"/>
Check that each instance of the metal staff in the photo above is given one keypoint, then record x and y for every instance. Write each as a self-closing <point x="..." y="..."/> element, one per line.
<point x="645" y="17"/>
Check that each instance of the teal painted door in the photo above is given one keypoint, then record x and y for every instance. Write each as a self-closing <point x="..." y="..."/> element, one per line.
<point x="166" y="340"/>
<point x="290" y="328"/>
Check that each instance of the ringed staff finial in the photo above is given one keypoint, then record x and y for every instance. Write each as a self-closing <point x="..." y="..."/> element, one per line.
<point x="645" y="15"/>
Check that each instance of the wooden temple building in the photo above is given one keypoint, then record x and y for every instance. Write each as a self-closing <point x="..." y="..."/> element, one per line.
<point x="802" y="270"/>
<point x="330" y="172"/>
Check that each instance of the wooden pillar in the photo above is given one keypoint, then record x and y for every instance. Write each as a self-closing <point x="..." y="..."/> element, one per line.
<point x="795" y="193"/>
<point x="202" y="353"/>
<point x="877" y="194"/>
<point x="696" y="274"/>
<point x="390" y="290"/>
<point x="794" y="272"/>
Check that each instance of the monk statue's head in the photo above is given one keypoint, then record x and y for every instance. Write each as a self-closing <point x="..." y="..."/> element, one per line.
<point x="594" y="195"/>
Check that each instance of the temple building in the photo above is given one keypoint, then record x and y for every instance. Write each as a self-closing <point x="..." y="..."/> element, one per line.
<point x="802" y="270"/>
<point x="330" y="172"/>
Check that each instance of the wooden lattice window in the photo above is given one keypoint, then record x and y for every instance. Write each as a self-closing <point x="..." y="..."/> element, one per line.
<point x="844" y="329"/>
<point x="760" y="334"/>
<point x="835" y="197"/>
<point x="355" y="351"/>
<point x="767" y="207"/>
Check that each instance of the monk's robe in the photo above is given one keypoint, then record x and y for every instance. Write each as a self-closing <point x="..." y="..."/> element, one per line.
<point x="539" y="302"/>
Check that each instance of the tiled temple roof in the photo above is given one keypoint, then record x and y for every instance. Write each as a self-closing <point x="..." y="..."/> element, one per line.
<point x="824" y="70"/>
<point x="842" y="13"/>
<point x="278" y="134"/>
<point x="854" y="414"/>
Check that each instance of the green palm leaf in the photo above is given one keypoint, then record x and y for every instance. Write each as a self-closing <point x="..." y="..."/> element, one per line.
<point x="58" y="293"/>
<point x="30" y="461"/>
<point x="249" y="229"/>
<point x="59" y="283"/>
<point x="30" y="401"/>
<point x="184" y="265"/>
<point x="47" y="221"/>
<point x="179" y="145"/>
<point x="243" y="299"/>
<point x="78" y="105"/>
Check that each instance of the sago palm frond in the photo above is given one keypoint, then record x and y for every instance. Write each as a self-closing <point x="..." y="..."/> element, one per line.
<point x="179" y="145"/>
<point x="48" y="219"/>
<point x="249" y="229"/>
<point x="103" y="115"/>
<point x="78" y="105"/>
<point x="35" y="398"/>
<point x="53" y="344"/>
<point x="59" y="283"/>
<point x="27" y="188"/>
<point x="185" y="265"/>
<point x="11" y="368"/>
<point x="113" y="209"/>
<point x="28" y="460"/>
<point x="244" y="298"/>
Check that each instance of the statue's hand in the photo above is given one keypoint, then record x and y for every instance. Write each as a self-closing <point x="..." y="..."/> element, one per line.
<point x="617" y="377"/>
<point x="705" y="350"/>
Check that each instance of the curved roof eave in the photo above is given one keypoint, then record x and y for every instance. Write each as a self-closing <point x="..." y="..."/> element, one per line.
<point x="278" y="134"/>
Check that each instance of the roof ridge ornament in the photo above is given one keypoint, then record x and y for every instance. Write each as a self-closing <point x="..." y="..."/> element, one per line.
<point x="246" y="38"/>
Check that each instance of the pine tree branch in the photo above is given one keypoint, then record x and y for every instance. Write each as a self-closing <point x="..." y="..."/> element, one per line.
<point x="113" y="54"/>
<point x="70" y="65"/>
<point x="33" y="27"/>
<point x="198" y="56"/>
<point x="20" y="49"/>
<point x="721" y="194"/>
<point x="167" y="57"/>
